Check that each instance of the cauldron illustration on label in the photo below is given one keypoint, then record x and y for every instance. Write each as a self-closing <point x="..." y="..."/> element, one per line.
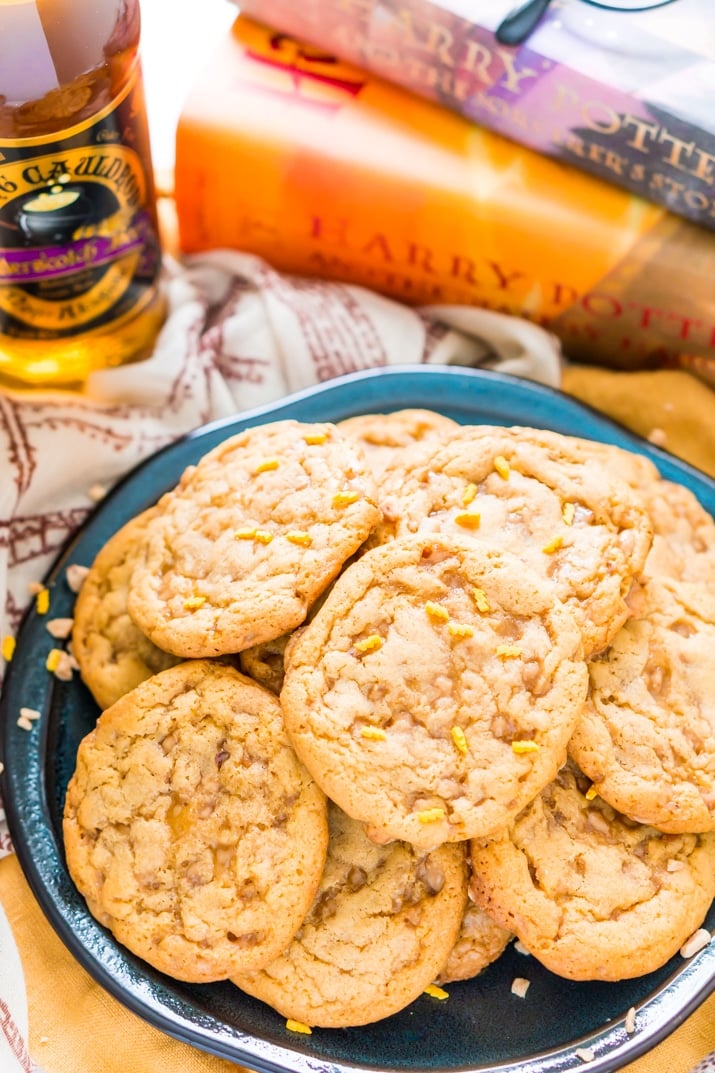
<point x="54" y="214"/>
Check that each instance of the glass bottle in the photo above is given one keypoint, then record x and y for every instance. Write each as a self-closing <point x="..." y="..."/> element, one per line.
<point x="79" y="247"/>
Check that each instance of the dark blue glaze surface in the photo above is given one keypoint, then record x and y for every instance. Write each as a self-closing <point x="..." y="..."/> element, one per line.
<point x="482" y="1026"/>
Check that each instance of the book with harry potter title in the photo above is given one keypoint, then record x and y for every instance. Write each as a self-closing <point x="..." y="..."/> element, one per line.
<point x="625" y="95"/>
<point x="326" y="171"/>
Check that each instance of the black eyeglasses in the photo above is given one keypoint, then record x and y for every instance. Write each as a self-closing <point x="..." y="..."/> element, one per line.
<point x="523" y="19"/>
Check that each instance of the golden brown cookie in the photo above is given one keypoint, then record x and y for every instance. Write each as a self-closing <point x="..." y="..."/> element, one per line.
<point x="569" y="520"/>
<point x="190" y="826"/>
<point x="250" y="537"/>
<point x="480" y="942"/>
<point x="647" y="733"/>
<point x="113" y="654"/>
<point x="382" y="436"/>
<point x="435" y="691"/>
<point x="379" y="930"/>
<point x="589" y="893"/>
<point x="683" y="535"/>
<point x="264" y="662"/>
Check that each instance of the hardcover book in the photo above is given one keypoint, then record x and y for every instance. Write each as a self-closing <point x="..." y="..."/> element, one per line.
<point x="628" y="96"/>
<point x="326" y="171"/>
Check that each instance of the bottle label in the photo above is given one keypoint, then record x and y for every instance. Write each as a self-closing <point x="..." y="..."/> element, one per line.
<point x="78" y="237"/>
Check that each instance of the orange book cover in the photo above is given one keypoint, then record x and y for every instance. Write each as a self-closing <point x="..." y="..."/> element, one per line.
<point x="322" y="170"/>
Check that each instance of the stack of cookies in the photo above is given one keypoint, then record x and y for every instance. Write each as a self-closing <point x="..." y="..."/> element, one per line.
<point x="380" y="696"/>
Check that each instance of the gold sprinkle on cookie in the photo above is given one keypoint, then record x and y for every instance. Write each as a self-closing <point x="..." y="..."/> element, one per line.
<point x="568" y="512"/>
<point x="459" y="740"/>
<point x="430" y="815"/>
<point x="266" y="465"/>
<point x="468" y="519"/>
<point x="297" y="536"/>
<point x="369" y="644"/>
<point x="344" y="499"/>
<point x="502" y="467"/>
<point x="553" y="545"/>
<point x="436" y="992"/>
<point x="373" y="733"/>
<point x="437" y="611"/>
<point x="525" y="746"/>
<point x="245" y="534"/>
<point x="469" y="494"/>
<point x="508" y="651"/>
<point x="480" y="599"/>
<point x="315" y="438"/>
<point x="262" y="536"/>
<point x="193" y="603"/>
<point x="460" y="630"/>
<point x="591" y="793"/>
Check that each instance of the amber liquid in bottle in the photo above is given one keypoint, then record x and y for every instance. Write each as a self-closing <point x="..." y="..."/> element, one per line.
<point x="79" y="248"/>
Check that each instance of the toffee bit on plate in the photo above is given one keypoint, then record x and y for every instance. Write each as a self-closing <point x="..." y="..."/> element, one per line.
<point x="519" y="986"/>
<point x="697" y="942"/>
<point x="96" y="492"/>
<point x="521" y="949"/>
<point x="630" y="1022"/>
<point x="34" y="587"/>
<point x="586" y="1054"/>
<point x="75" y="575"/>
<point x="60" y="628"/>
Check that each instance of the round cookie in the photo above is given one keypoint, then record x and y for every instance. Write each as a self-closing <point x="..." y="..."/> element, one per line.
<point x="191" y="828"/>
<point x="590" y="894"/>
<point x="531" y="493"/>
<point x="379" y="930"/>
<point x="435" y="691"/>
<point x="683" y="535"/>
<point x="480" y="942"/>
<point x="113" y="654"/>
<point x="382" y="436"/>
<point x="264" y="662"/>
<point x="646" y="737"/>
<point x="250" y="537"/>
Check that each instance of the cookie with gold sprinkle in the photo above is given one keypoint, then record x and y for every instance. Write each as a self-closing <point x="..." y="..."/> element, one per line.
<point x="574" y="524"/>
<point x="379" y="930"/>
<point x="191" y="828"/>
<point x="647" y="733"/>
<point x="435" y="691"/>
<point x="250" y="537"/>
<point x="591" y="894"/>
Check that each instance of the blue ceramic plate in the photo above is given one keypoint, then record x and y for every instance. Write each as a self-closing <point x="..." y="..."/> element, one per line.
<point x="482" y="1026"/>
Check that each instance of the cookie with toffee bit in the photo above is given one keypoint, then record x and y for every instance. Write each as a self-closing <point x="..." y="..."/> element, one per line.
<point x="573" y="523"/>
<point x="646" y="737"/>
<point x="683" y="535"/>
<point x="480" y="942"/>
<point x="379" y="930"/>
<point x="435" y="691"/>
<point x="591" y="894"/>
<point x="250" y="537"/>
<point x="191" y="828"/>
<point x="113" y="654"/>
<point x="382" y="436"/>
<point x="264" y="662"/>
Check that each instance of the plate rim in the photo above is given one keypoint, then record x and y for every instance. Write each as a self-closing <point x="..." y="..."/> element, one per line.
<point x="241" y="1047"/>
